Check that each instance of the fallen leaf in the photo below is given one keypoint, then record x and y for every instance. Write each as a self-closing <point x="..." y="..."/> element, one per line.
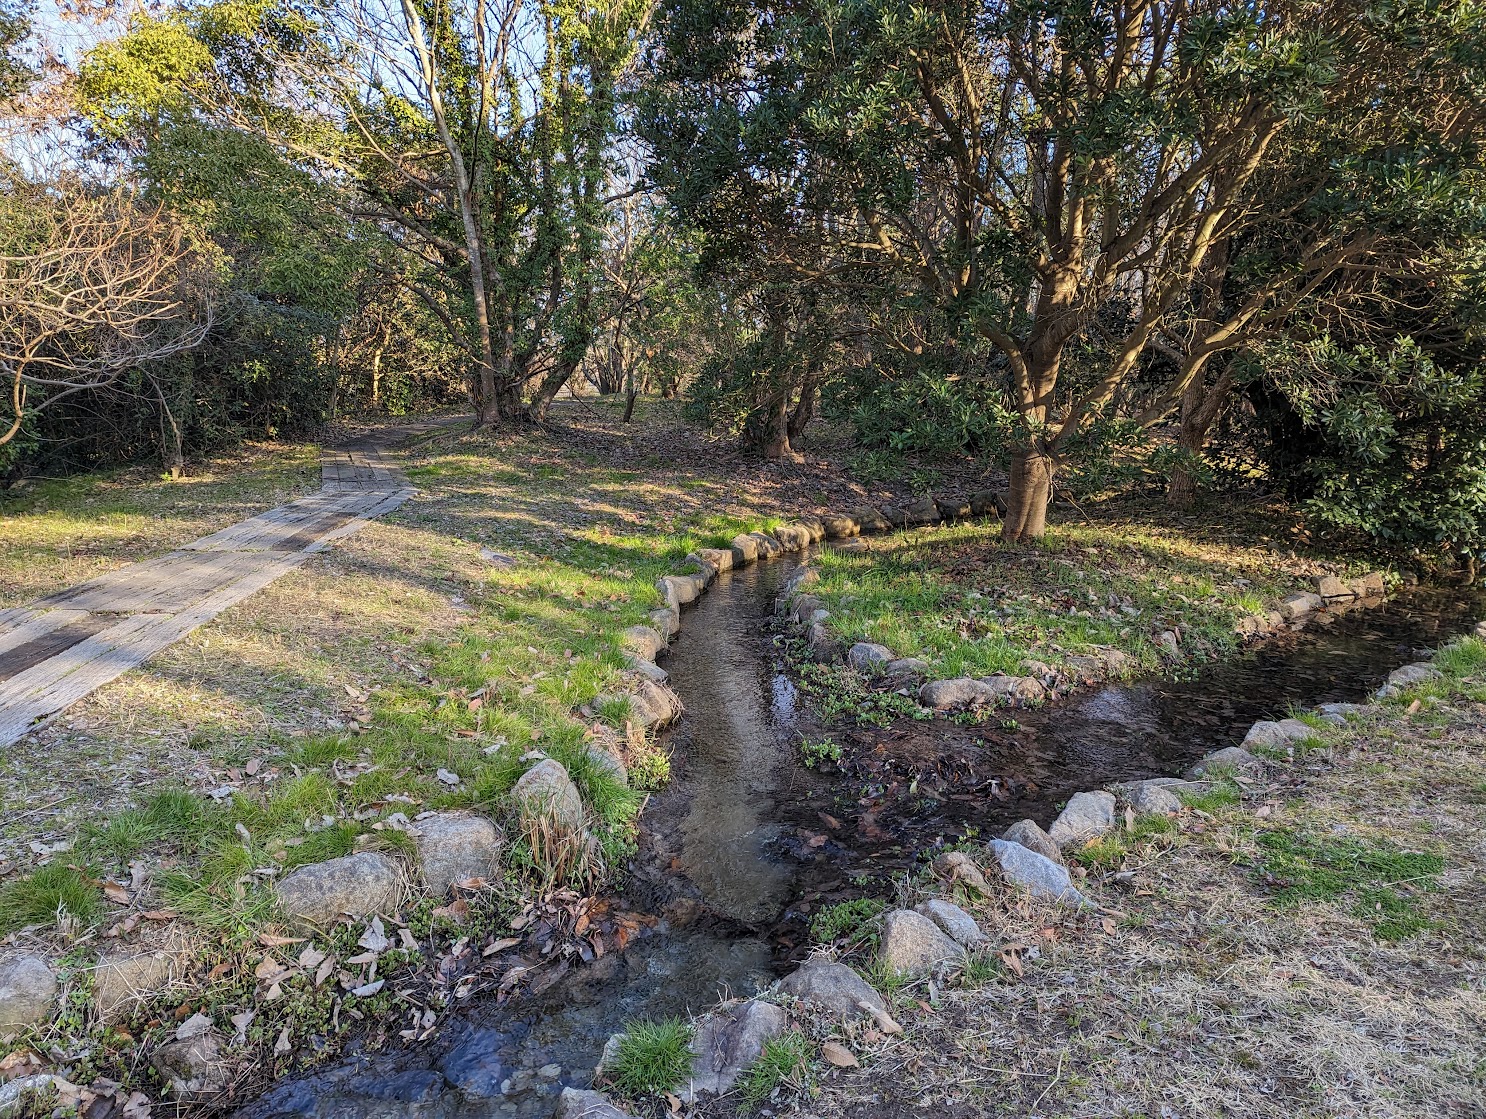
<point x="269" y="968"/>
<point x="323" y="972"/>
<point x="282" y="1046"/>
<point x="116" y="893"/>
<point x="160" y="915"/>
<point x="311" y="957"/>
<point x="1109" y="927"/>
<point x="374" y="939"/>
<point x="499" y="945"/>
<point x="838" y="1055"/>
<point x="367" y="990"/>
<point x="194" y="1026"/>
<point x="268" y="940"/>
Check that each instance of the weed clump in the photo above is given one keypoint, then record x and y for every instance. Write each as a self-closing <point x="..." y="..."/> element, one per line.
<point x="653" y="1057"/>
<point x="784" y="1063"/>
<point x="51" y="895"/>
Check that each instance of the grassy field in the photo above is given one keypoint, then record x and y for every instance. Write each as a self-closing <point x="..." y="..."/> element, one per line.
<point x="56" y="533"/>
<point x="1312" y="948"/>
<point x="970" y="605"/>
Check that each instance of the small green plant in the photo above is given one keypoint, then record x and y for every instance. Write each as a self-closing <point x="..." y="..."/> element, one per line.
<point x="1299" y="868"/>
<point x="650" y="771"/>
<point x="982" y="968"/>
<point x="785" y="1062"/>
<point x="653" y="1057"/>
<point x="1224" y="792"/>
<point x="846" y="920"/>
<point x="815" y="753"/>
<point x="50" y="894"/>
<point x="1104" y="854"/>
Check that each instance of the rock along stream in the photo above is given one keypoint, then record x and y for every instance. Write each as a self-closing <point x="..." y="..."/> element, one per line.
<point x="745" y="843"/>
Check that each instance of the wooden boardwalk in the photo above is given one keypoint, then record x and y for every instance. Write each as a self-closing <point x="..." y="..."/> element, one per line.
<point x="57" y="650"/>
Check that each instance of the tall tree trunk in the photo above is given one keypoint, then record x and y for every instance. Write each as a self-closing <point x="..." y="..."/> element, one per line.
<point x="1181" y="487"/>
<point x="170" y="435"/>
<point x="804" y="410"/>
<point x="631" y="393"/>
<point x="1032" y="472"/>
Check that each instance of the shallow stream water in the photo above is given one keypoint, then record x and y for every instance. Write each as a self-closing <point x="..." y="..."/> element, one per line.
<point x="745" y="842"/>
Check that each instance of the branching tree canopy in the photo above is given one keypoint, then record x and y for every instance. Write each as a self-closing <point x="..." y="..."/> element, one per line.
<point x="473" y="138"/>
<point x="1043" y="174"/>
<point x="92" y="287"/>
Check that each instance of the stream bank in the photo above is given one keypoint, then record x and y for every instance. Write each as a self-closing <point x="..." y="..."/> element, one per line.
<point x="746" y="843"/>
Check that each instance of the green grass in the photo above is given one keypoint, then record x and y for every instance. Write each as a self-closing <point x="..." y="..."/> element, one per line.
<point x="170" y="816"/>
<point x="852" y="921"/>
<point x="653" y="1057"/>
<point x="960" y="598"/>
<point x="1224" y="792"/>
<point x="1298" y="868"/>
<point x="982" y="969"/>
<point x="1104" y="854"/>
<point x="41" y="897"/>
<point x="784" y="1064"/>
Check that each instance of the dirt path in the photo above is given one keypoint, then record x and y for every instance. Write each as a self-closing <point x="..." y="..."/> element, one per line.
<point x="59" y="649"/>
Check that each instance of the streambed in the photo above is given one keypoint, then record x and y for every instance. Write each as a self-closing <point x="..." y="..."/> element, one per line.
<point x="746" y="843"/>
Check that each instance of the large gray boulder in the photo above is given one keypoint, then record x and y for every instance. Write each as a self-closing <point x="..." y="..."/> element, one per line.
<point x="1151" y="798"/>
<point x="793" y="537"/>
<point x="768" y="546"/>
<point x="718" y="559"/>
<point x="839" y="526"/>
<point x="457" y="846"/>
<point x="986" y="503"/>
<point x="803" y="577"/>
<point x="906" y="666"/>
<point x="354" y="885"/>
<point x="1333" y="589"/>
<point x="1276" y="735"/>
<point x="867" y="656"/>
<point x="832" y="987"/>
<point x="578" y="1103"/>
<point x="922" y="511"/>
<point x="871" y="520"/>
<point x="1296" y="606"/>
<point x="27" y="990"/>
<point x="941" y="695"/>
<point x="681" y="590"/>
<point x="952" y="508"/>
<point x="1087" y="816"/>
<point x="666" y="621"/>
<point x="1038" y="875"/>
<point x="547" y="788"/>
<point x="914" y="945"/>
<point x="1234" y="758"/>
<point x="744" y="549"/>
<point x="651" y="704"/>
<point x="643" y="642"/>
<point x="1417" y="673"/>
<point x="960" y="926"/>
<point x="727" y="1042"/>
<point x="1032" y="837"/>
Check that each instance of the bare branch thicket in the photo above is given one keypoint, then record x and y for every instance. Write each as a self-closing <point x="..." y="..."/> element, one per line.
<point x="93" y="287"/>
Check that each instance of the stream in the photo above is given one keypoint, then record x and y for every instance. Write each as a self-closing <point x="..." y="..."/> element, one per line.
<point x="745" y="843"/>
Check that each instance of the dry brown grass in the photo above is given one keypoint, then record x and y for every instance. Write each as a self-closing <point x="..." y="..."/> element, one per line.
<point x="1204" y="998"/>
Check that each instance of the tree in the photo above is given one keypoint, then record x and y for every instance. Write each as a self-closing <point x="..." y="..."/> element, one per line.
<point x="1051" y="178"/>
<point x="92" y="287"/>
<point x="471" y="137"/>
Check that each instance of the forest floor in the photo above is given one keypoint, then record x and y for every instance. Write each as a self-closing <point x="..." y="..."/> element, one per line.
<point x="1316" y="947"/>
<point x="477" y="620"/>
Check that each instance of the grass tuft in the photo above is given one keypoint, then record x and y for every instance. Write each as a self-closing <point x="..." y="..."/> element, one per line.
<point x="51" y="894"/>
<point x="653" y="1057"/>
<point x="784" y="1064"/>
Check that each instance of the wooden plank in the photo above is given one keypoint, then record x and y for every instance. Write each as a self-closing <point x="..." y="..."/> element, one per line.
<point x="49" y="644"/>
<point x="31" y="624"/>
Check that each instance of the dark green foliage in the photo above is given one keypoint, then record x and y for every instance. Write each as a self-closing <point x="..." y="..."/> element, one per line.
<point x="653" y="1057"/>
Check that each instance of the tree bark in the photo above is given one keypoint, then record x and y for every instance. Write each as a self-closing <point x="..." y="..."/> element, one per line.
<point x="1031" y="489"/>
